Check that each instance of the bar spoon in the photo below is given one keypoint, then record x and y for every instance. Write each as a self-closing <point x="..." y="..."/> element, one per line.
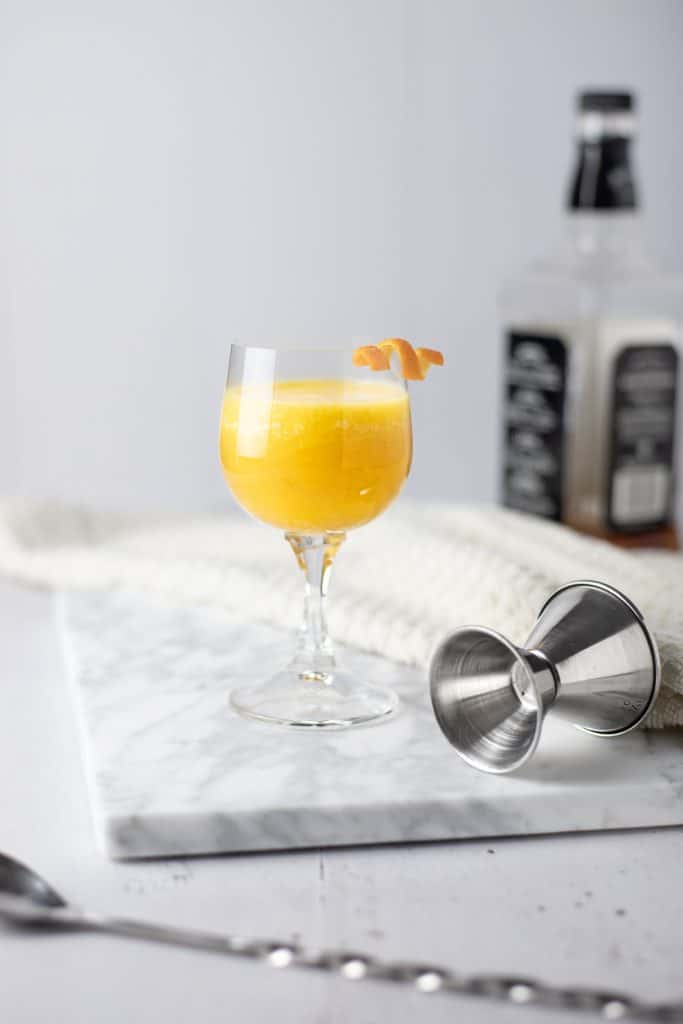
<point x="28" y="900"/>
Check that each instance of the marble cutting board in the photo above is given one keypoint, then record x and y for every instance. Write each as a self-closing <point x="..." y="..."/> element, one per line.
<point x="173" y="770"/>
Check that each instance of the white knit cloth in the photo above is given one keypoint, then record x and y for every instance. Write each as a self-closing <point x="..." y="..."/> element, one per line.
<point x="399" y="584"/>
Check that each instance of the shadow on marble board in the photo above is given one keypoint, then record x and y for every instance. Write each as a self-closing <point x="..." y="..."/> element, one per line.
<point x="595" y="760"/>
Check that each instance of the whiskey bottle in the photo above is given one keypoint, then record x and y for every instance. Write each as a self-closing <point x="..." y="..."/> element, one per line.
<point x="592" y="339"/>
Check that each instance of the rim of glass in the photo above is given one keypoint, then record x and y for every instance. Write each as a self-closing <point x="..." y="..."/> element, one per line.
<point x="353" y="343"/>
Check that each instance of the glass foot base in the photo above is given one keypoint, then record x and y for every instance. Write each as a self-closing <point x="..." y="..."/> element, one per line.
<point x="322" y="700"/>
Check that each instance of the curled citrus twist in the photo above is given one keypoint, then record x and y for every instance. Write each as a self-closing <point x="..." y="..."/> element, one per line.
<point x="414" y="362"/>
<point x="372" y="356"/>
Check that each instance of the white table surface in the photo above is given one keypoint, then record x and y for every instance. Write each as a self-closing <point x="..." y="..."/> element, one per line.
<point x="603" y="909"/>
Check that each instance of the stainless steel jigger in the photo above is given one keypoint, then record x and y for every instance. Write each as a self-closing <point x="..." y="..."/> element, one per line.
<point x="590" y="658"/>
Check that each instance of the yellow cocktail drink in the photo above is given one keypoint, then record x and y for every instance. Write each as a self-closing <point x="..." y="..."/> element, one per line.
<point x="316" y="455"/>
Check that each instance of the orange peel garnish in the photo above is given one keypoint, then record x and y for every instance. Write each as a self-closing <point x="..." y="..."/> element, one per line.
<point x="372" y="356"/>
<point x="427" y="357"/>
<point x="410" y="364"/>
<point x="414" y="362"/>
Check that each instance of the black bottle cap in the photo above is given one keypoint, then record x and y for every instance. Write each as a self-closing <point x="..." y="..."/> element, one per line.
<point x="605" y="102"/>
<point x="603" y="179"/>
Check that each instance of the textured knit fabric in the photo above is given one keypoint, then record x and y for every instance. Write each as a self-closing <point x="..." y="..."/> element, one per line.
<point x="399" y="584"/>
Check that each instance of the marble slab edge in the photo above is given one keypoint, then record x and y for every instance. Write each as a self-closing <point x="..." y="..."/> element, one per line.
<point x="283" y="829"/>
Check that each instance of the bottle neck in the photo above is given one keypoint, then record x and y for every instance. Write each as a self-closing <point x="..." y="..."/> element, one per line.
<point x="593" y="232"/>
<point x="603" y="179"/>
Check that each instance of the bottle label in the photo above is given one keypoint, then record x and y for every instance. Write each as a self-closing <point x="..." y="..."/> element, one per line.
<point x="535" y="389"/>
<point x="643" y="419"/>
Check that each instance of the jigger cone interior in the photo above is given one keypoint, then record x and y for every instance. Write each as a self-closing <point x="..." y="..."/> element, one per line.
<point x="489" y="697"/>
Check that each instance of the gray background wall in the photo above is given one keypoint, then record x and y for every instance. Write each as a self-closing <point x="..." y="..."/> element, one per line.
<point x="174" y="174"/>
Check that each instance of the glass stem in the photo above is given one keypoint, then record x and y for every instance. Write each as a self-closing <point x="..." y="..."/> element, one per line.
<point x="315" y="554"/>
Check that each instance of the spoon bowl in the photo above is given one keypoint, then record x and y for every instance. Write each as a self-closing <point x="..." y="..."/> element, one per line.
<point x="25" y="897"/>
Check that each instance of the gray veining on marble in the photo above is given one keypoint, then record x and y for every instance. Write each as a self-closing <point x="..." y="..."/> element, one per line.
<point x="173" y="770"/>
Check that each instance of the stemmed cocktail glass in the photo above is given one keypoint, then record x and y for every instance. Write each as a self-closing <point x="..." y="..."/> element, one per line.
<point x="315" y="446"/>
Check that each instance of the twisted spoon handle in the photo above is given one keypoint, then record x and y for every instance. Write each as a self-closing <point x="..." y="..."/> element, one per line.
<point x="426" y="978"/>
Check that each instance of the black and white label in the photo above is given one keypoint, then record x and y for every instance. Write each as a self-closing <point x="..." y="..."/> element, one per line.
<point x="643" y="418"/>
<point x="535" y="388"/>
